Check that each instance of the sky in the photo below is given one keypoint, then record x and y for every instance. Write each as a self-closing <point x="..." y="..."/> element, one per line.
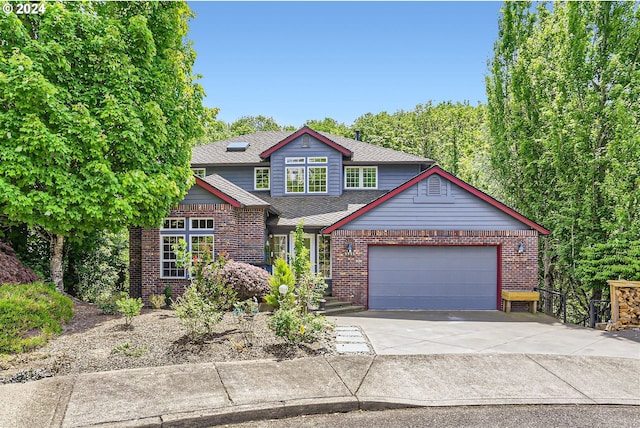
<point x="299" y="61"/>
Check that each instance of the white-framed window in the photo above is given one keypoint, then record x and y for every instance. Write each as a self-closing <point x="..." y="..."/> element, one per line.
<point x="318" y="159"/>
<point x="175" y="223"/>
<point x="308" y="177"/>
<point x="261" y="178"/>
<point x="295" y="182"/>
<point x="324" y="255"/>
<point x="361" y="177"/>
<point x="199" y="172"/>
<point x="317" y="179"/>
<point x="201" y="244"/>
<point x="168" y="257"/>
<point x="290" y="161"/>
<point x="202" y="224"/>
<point x="279" y="247"/>
<point x="197" y="232"/>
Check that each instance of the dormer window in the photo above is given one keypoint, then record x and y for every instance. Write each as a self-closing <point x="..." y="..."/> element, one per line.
<point x="308" y="176"/>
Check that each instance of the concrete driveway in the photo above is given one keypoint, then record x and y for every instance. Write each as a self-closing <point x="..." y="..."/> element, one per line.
<point x="485" y="332"/>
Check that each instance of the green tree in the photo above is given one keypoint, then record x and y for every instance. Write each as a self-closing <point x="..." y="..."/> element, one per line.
<point x="251" y="124"/>
<point x="99" y="108"/>
<point x="330" y="126"/>
<point x="453" y="134"/>
<point x="214" y="129"/>
<point x="563" y="113"/>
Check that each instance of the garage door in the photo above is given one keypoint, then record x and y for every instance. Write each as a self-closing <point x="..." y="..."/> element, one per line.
<point x="434" y="278"/>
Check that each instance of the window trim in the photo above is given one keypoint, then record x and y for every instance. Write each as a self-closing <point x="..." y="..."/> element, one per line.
<point x="321" y="237"/>
<point x="202" y="235"/>
<point x="286" y="180"/>
<point x="273" y="254"/>
<point x="255" y="178"/>
<point x="361" y="177"/>
<point x="299" y="160"/>
<point x="196" y="170"/>
<point x="184" y="222"/>
<point x="163" y="260"/>
<point x="326" y="180"/>
<point x="198" y="228"/>
<point x="317" y="159"/>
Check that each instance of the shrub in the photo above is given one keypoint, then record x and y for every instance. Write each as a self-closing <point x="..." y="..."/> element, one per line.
<point x="102" y="265"/>
<point x="196" y="312"/>
<point x="168" y="296"/>
<point x="246" y="280"/>
<point x="30" y="314"/>
<point x="281" y="275"/>
<point x="11" y="270"/>
<point x="128" y="350"/>
<point x="157" y="300"/>
<point x="310" y="290"/>
<point x="295" y="326"/>
<point x="129" y="307"/>
<point x="107" y="302"/>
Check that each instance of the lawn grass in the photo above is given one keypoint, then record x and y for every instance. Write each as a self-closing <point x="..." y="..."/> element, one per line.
<point x="30" y="314"/>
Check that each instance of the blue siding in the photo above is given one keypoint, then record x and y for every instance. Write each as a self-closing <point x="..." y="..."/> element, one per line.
<point x="391" y="176"/>
<point x="316" y="149"/>
<point x="241" y="176"/>
<point x="197" y="195"/>
<point x="459" y="210"/>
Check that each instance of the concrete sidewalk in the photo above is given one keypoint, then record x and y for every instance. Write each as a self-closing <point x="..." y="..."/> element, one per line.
<point x="216" y="393"/>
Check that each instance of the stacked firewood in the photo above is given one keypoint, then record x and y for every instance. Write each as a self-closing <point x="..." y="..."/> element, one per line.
<point x="625" y="305"/>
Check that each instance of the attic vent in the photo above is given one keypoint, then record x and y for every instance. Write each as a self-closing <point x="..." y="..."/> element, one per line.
<point x="433" y="186"/>
<point x="237" y="146"/>
<point x="305" y="140"/>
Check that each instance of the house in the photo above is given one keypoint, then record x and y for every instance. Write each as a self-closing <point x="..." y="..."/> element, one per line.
<point x="389" y="230"/>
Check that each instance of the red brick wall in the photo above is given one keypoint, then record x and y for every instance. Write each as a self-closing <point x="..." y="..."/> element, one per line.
<point x="238" y="231"/>
<point x="350" y="272"/>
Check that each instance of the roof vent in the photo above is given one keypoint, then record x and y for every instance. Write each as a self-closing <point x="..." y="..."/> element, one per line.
<point x="237" y="146"/>
<point x="305" y="140"/>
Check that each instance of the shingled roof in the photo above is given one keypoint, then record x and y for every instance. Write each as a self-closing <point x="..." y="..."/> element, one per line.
<point x="229" y="192"/>
<point x="363" y="153"/>
<point x="319" y="211"/>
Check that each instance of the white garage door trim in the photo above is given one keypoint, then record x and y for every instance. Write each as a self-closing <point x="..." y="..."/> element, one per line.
<point x="442" y="277"/>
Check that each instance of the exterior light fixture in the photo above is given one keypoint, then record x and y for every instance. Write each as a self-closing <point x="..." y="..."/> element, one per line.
<point x="283" y="289"/>
<point x="520" y="247"/>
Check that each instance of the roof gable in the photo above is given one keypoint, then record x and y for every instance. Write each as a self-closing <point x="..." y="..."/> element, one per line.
<point x="306" y="130"/>
<point x="444" y="174"/>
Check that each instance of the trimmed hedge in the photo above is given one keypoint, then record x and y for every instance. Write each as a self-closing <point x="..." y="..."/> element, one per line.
<point x="30" y="314"/>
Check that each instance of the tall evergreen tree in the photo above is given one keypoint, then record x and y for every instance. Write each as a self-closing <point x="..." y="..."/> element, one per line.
<point x="563" y="113"/>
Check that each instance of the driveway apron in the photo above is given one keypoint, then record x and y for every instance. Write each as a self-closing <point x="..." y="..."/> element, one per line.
<point x="485" y="332"/>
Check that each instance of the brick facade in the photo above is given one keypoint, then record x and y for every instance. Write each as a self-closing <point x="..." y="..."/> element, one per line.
<point x="517" y="271"/>
<point x="238" y="231"/>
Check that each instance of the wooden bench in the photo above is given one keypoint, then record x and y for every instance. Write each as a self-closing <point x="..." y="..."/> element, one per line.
<point x="531" y="297"/>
